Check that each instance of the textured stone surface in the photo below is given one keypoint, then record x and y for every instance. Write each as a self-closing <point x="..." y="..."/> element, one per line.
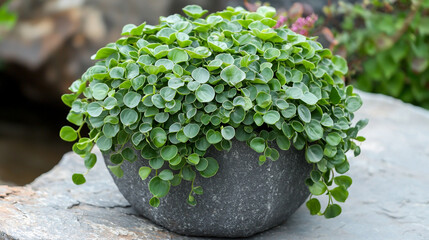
<point x="53" y="208"/>
<point x="242" y="199"/>
<point x="388" y="199"/>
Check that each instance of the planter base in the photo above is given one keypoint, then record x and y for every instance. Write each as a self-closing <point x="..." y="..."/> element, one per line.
<point x="242" y="199"/>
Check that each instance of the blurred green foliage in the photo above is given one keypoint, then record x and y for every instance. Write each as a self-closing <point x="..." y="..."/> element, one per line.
<point x="7" y="18"/>
<point x="387" y="46"/>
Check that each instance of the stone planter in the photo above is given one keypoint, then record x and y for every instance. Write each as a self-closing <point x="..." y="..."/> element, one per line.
<point x="242" y="199"/>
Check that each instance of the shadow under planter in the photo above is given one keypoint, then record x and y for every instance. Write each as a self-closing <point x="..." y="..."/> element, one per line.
<point x="242" y="199"/>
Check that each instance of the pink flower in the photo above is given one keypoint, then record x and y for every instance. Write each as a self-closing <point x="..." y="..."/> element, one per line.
<point x="281" y="21"/>
<point x="302" y="25"/>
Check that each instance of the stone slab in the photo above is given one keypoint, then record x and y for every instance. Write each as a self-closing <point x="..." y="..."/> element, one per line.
<point x="389" y="198"/>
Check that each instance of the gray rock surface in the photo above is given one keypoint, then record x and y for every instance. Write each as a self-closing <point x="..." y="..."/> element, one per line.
<point x="388" y="199"/>
<point x="242" y="199"/>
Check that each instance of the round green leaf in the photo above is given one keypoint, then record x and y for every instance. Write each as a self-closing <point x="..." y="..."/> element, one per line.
<point x="144" y="172"/>
<point x="283" y="142"/>
<point x="178" y="55"/>
<point x="238" y="115"/>
<point x="177" y="179"/>
<point x="158" y="101"/>
<point x="343" y="167"/>
<point x="232" y="75"/>
<point x="116" y="158"/>
<point x="158" y="137"/>
<point x="158" y="187"/>
<point x="318" y="188"/>
<point x="132" y="99"/>
<point x="314" y="206"/>
<point x="168" y="152"/>
<point x="154" y="202"/>
<point x="176" y="160"/>
<point x="145" y="127"/>
<point x="294" y="93"/>
<point x="202" y="164"/>
<point x="167" y="93"/>
<point x="271" y="117"/>
<point x="201" y="75"/>
<point x="340" y="194"/>
<point x="297" y="126"/>
<point x="228" y="132"/>
<point x="258" y="144"/>
<point x="90" y="160"/>
<point x="326" y="120"/>
<point x="309" y="98"/>
<point x="340" y="64"/>
<point x="282" y="104"/>
<point x="117" y="72"/>
<point x="175" y="83"/>
<point x="156" y="163"/>
<point x="344" y="181"/>
<point x="314" y="153"/>
<point x="314" y="130"/>
<point x="271" y="53"/>
<point x="332" y="211"/>
<point x="353" y="103"/>
<point x="187" y="173"/>
<point x="104" y="143"/>
<point x="133" y="70"/>
<point x="166" y="175"/>
<point x="304" y="113"/>
<point x="78" y="179"/>
<point x="110" y="130"/>
<point x="191" y="130"/>
<point x="333" y="139"/>
<point x="205" y="93"/>
<point x="225" y="58"/>
<point x="99" y="91"/>
<point x="194" y="159"/>
<point x="263" y="99"/>
<point x="211" y="169"/>
<point x="94" y="109"/>
<point x="68" y="134"/>
<point x="193" y="85"/>
<point x="198" y="190"/>
<point x="213" y="136"/>
<point x="128" y="116"/>
<point x="199" y="52"/>
<point x="194" y="11"/>
<point x="161" y="117"/>
<point x="110" y="102"/>
<point x="116" y="170"/>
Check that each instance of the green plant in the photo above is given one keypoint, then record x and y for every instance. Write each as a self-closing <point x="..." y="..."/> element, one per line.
<point x="7" y="18"/>
<point x="177" y="88"/>
<point x="387" y="46"/>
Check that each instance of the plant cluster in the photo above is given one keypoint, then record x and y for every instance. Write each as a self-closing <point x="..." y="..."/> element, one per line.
<point x="387" y="46"/>
<point x="171" y="91"/>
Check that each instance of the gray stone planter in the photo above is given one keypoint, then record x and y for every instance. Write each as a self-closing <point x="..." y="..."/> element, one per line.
<point x="242" y="199"/>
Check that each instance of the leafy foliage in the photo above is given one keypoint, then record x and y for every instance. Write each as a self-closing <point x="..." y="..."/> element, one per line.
<point x="387" y="46"/>
<point x="172" y="90"/>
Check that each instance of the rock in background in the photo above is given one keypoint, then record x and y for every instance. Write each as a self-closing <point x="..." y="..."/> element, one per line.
<point x="53" y="40"/>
